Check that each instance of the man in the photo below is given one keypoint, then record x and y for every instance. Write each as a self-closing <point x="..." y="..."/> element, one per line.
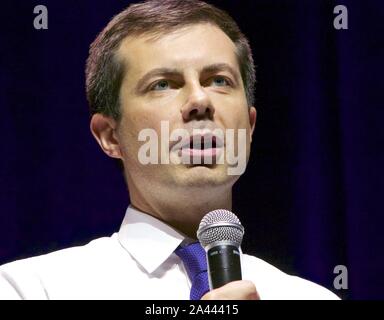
<point x="184" y="65"/>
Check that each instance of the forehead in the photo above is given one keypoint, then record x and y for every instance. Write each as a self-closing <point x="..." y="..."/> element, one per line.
<point x="190" y="47"/>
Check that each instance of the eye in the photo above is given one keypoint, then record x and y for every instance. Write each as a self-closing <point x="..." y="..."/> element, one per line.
<point x="220" y="81"/>
<point x="160" y="85"/>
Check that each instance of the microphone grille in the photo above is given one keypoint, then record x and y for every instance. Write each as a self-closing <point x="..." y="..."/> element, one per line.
<point x="220" y="226"/>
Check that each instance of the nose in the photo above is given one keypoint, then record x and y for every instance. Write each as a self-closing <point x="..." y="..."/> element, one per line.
<point x="198" y="105"/>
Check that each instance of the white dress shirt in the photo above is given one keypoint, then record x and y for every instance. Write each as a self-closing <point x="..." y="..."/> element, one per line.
<point x="138" y="262"/>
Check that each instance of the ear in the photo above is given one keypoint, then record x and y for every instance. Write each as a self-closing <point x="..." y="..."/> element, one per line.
<point x="103" y="129"/>
<point x="252" y="120"/>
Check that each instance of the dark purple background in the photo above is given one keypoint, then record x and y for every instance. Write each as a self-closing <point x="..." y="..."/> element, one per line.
<point x="312" y="197"/>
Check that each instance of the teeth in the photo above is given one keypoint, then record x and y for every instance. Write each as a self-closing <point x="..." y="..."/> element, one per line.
<point x="196" y="146"/>
<point x="200" y="144"/>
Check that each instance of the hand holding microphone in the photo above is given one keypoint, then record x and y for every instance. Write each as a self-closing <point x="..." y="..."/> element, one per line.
<point x="221" y="233"/>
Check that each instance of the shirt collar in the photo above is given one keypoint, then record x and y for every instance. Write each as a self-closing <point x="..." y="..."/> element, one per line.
<point x="149" y="240"/>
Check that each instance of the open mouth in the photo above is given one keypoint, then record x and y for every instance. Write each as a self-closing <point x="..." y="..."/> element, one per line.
<point x="201" y="149"/>
<point x="201" y="142"/>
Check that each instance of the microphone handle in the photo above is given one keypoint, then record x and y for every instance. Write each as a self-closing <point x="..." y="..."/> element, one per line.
<point x="223" y="265"/>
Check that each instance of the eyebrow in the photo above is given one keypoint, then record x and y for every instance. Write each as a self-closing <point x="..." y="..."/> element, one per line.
<point x="167" y="72"/>
<point x="174" y="72"/>
<point x="217" y="67"/>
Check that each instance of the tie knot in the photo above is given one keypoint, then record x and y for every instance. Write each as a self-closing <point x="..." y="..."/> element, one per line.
<point x="195" y="262"/>
<point x="194" y="259"/>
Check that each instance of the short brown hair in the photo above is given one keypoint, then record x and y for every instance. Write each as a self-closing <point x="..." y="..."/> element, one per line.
<point x="104" y="73"/>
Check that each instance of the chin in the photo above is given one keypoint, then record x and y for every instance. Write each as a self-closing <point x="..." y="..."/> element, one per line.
<point x="204" y="176"/>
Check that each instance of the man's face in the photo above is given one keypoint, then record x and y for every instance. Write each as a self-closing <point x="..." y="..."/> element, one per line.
<point x="191" y="80"/>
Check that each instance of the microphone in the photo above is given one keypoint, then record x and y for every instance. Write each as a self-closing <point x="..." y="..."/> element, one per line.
<point x="220" y="234"/>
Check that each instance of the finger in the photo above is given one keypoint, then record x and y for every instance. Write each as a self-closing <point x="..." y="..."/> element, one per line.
<point x="236" y="290"/>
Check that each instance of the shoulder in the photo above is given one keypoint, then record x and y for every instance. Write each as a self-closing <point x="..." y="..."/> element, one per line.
<point x="28" y="278"/>
<point x="92" y="249"/>
<point x="272" y="283"/>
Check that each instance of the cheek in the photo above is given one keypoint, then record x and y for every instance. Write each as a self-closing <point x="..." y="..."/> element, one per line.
<point x="134" y="123"/>
<point x="136" y="119"/>
<point x="129" y="130"/>
<point x="232" y="109"/>
<point x="235" y="117"/>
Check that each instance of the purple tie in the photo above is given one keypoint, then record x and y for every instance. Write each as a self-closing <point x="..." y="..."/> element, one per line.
<point x="195" y="261"/>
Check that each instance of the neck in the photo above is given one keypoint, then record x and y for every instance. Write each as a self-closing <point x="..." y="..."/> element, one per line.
<point x="183" y="210"/>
